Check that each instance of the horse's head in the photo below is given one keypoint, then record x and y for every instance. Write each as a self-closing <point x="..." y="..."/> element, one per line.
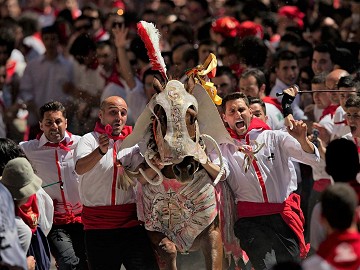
<point x="175" y="128"/>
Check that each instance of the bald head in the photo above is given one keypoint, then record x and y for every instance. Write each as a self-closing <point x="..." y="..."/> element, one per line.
<point x="333" y="78"/>
<point x="331" y="82"/>
<point x="113" y="112"/>
<point x="113" y="101"/>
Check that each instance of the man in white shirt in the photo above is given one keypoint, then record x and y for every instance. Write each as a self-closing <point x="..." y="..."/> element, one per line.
<point x="113" y="235"/>
<point x="51" y="155"/>
<point x="287" y="73"/>
<point x="263" y="179"/>
<point x="252" y="84"/>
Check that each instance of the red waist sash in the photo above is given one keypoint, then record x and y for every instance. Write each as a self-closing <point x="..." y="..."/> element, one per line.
<point x="289" y="210"/>
<point x="321" y="184"/>
<point x="109" y="217"/>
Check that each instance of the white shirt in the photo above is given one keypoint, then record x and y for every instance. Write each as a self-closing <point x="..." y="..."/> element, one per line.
<point x="279" y="86"/>
<point x="275" y="117"/>
<point x="275" y="164"/>
<point x="43" y="81"/>
<point x="43" y="159"/>
<point x="96" y="185"/>
<point x="318" y="170"/>
<point x="10" y="251"/>
<point x="340" y="128"/>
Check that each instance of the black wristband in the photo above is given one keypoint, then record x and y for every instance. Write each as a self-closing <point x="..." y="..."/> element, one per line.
<point x="101" y="153"/>
<point x="286" y="102"/>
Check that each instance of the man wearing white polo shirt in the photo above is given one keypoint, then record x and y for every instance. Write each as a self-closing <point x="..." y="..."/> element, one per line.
<point x="113" y="233"/>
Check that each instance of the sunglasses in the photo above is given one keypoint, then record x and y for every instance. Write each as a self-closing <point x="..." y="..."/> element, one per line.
<point x="117" y="24"/>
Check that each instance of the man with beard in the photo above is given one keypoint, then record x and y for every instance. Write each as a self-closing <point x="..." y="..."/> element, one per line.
<point x="113" y="235"/>
<point x="51" y="154"/>
<point x="263" y="179"/>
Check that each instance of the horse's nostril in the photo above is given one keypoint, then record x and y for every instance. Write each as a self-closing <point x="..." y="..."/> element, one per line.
<point x="176" y="170"/>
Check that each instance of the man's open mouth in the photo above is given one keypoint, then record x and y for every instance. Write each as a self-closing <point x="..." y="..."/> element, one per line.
<point x="240" y="124"/>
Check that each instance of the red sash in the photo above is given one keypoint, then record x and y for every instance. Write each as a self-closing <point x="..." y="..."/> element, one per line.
<point x="321" y="184"/>
<point x="110" y="217"/>
<point x="329" y="110"/>
<point x="341" y="250"/>
<point x="108" y="130"/>
<point x="273" y="101"/>
<point x="29" y="212"/>
<point x="255" y="123"/>
<point x="289" y="210"/>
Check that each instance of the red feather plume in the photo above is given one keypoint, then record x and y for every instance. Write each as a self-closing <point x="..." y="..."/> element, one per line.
<point x="151" y="37"/>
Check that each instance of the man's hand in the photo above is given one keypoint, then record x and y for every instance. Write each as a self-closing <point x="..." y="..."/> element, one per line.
<point x="103" y="143"/>
<point x="324" y="135"/>
<point x="299" y="130"/>
<point x="120" y="35"/>
<point x="291" y="91"/>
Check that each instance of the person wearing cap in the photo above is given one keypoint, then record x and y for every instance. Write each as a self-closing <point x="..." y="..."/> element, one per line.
<point x="262" y="177"/>
<point x="223" y="28"/>
<point x="113" y="234"/>
<point x="51" y="154"/>
<point x="19" y="178"/>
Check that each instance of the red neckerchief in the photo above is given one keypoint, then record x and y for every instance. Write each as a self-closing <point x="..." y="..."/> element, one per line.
<point x="10" y="70"/>
<point x="114" y="77"/>
<point x="62" y="145"/>
<point x="29" y="212"/>
<point x="237" y="69"/>
<point x="108" y="130"/>
<point x="99" y="35"/>
<point x="255" y="123"/>
<point x="341" y="122"/>
<point x="329" y="110"/>
<point x="273" y="101"/>
<point x="341" y="250"/>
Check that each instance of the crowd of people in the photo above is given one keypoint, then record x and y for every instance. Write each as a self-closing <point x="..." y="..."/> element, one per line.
<point x="69" y="69"/>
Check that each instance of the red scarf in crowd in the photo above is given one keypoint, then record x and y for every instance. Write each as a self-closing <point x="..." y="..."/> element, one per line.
<point x="108" y="130"/>
<point x="64" y="144"/>
<point x="329" y="110"/>
<point x="273" y="101"/>
<point x="29" y="212"/>
<point x="341" y="250"/>
<point x="255" y="123"/>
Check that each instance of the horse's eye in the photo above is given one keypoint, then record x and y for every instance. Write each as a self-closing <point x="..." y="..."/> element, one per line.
<point x="193" y="120"/>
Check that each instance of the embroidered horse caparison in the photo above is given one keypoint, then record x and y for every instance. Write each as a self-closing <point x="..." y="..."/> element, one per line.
<point x="180" y="207"/>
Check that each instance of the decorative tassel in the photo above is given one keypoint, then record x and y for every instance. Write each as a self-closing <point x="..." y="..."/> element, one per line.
<point x="151" y="37"/>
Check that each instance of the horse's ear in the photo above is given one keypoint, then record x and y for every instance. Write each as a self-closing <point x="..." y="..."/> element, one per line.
<point x="190" y="84"/>
<point x="157" y="85"/>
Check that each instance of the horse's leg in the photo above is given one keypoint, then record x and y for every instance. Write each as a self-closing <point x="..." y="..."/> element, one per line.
<point x="164" y="248"/>
<point x="212" y="247"/>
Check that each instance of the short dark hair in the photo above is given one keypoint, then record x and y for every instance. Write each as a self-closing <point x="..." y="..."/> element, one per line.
<point x="348" y="82"/>
<point x="8" y="151"/>
<point x="224" y="70"/>
<point x="233" y="96"/>
<point x="338" y="204"/>
<point x="50" y="107"/>
<point x="320" y="78"/>
<point x="345" y="168"/>
<point x="254" y="100"/>
<point x="326" y="48"/>
<point x="256" y="73"/>
<point x="284" y="55"/>
<point x="353" y="101"/>
<point x="82" y="45"/>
